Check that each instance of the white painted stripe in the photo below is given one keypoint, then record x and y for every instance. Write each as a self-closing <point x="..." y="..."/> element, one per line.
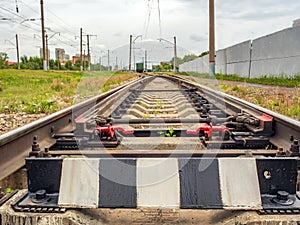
<point x="158" y="183"/>
<point x="239" y="183"/>
<point x="79" y="185"/>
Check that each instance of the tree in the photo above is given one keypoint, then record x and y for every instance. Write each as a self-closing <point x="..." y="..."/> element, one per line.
<point x="68" y="65"/>
<point x="57" y="65"/>
<point x="204" y="53"/>
<point x="3" y="60"/>
<point x="35" y="63"/>
<point x="167" y="67"/>
<point x="179" y="61"/>
<point x="24" y="59"/>
<point x="188" y="58"/>
<point x="51" y="64"/>
<point x="77" y="65"/>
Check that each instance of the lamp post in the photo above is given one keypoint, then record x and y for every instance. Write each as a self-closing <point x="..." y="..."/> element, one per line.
<point x="17" y="48"/>
<point x="47" y="50"/>
<point x="175" y="51"/>
<point x="131" y="46"/>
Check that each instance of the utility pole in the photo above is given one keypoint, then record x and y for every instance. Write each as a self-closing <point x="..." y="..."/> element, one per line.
<point x="175" y="55"/>
<point x="108" y="68"/>
<point x="81" y="65"/>
<point x="88" y="52"/>
<point x="43" y="36"/>
<point x="211" y="38"/>
<point x="47" y="60"/>
<point x="130" y="52"/>
<point x="146" y="67"/>
<point x="117" y="67"/>
<point x="18" y="54"/>
<point x="84" y="59"/>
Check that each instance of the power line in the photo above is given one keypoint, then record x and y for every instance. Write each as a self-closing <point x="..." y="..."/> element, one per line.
<point x="18" y="15"/>
<point x="148" y="19"/>
<point x="34" y="10"/>
<point x="7" y="10"/>
<point x="24" y="25"/>
<point x="36" y="30"/>
<point x="159" y="18"/>
<point x="64" y="28"/>
<point x="19" y="19"/>
<point x="150" y="5"/>
<point x="61" y="20"/>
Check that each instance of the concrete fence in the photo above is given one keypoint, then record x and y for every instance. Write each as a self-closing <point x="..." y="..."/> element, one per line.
<point x="199" y="65"/>
<point x="275" y="54"/>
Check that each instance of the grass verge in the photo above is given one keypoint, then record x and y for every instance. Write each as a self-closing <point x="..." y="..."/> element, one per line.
<point x="38" y="92"/>
<point x="280" y="80"/>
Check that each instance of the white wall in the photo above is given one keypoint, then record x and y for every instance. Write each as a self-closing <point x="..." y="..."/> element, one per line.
<point x="274" y="54"/>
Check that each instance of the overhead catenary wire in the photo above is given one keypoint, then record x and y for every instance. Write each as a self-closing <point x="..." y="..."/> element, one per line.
<point x="159" y="19"/>
<point x="29" y="29"/>
<point x="150" y="6"/>
<point x="57" y="22"/>
<point x="66" y="26"/>
<point x="25" y="18"/>
<point x="29" y="7"/>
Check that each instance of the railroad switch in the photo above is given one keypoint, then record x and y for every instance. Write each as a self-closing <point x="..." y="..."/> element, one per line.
<point x="208" y="130"/>
<point x="108" y="132"/>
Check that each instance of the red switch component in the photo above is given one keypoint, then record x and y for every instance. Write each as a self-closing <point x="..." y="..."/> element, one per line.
<point x="264" y="118"/>
<point x="208" y="129"/>
<point x="110" y="130"/>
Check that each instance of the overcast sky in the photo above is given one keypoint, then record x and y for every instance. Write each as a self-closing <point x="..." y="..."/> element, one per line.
<point x="114" y="20"/>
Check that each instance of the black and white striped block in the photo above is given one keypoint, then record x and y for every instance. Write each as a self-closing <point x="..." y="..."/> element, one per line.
<point x="229" y="183"/>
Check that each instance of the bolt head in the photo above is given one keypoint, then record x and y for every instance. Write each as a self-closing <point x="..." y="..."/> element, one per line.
<point x="40" y="194"/>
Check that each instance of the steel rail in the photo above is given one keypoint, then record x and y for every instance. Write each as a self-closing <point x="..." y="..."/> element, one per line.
<point x="16" y="145"/>
<point x="284" y="126"/>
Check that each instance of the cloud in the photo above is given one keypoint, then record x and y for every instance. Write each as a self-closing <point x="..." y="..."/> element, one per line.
<point x="119" y="34"/>
<point x="198" y="38"/>
<point x="255" y="10"/>
<point x="115" y="20"/>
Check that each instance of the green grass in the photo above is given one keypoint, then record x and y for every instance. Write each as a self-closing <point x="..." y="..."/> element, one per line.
<point x="280" y="80"/>
<point x="46" y="92"/>
<point x="285" y="101"/>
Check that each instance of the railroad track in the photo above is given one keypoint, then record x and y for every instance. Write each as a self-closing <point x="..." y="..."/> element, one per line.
<point x="169" y="125"/>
